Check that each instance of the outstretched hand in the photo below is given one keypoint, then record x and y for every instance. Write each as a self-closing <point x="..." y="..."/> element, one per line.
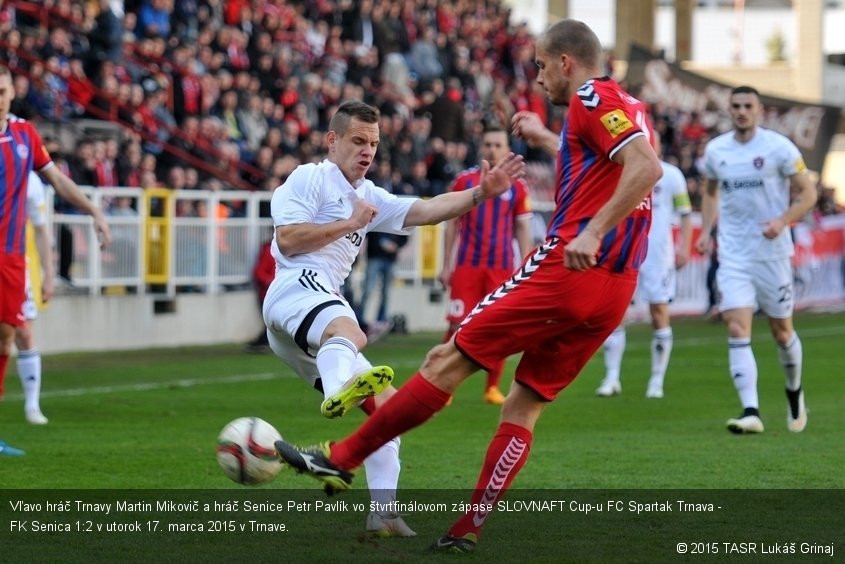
<point x="496" y="180"/>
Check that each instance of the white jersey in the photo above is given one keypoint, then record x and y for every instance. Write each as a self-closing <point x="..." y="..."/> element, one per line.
<point x="36" y="200"/>
<point x="753" y="188"/>
<point x="668" y="198"/>
<point x="320" y="194"/>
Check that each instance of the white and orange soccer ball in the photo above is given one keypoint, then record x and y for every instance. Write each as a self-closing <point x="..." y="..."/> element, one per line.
<point x="246" y="453"/>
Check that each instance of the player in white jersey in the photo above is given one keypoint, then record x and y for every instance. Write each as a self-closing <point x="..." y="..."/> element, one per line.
<point x="757" y="186"/>
<point x="656" y="283"/>
<point x="321" y="215"/>
<point x="29" y="360"/>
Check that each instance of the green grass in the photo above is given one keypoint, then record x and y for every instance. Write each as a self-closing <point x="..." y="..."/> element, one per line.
<point x="148" y="420"/>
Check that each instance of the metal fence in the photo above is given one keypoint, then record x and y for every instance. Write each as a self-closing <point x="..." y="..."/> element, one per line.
<point x="171" y="241"/>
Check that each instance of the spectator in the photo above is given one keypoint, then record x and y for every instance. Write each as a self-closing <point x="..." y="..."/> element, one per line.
<point x="382" y="251"/>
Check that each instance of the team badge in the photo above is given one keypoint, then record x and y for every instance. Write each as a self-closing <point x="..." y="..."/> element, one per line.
<point x="616" y="122"/>
<point x="23" y="151"/>
<point x="758" y="162"/>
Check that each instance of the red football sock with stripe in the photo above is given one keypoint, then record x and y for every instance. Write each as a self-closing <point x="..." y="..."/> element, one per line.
<point x="506" y="456"/>
<point x="412" y="405"/>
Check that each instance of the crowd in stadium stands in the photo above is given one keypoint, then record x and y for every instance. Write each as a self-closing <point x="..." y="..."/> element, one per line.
<point x="217" y="94"/>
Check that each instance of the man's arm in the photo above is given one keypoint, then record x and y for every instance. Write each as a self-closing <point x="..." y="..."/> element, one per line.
<point x="301" y="238"/>
<point x="640" y="172"/>
<point x="44" y="244"/>
<point x="528" y="126"/>
<point x="684" y="241"/>
<point x="522" y="233"/>
<point x="803" y="200"/>
<point x="450" y="238"/>
<point x="709" y="212"/>
<point x="453" y="204"/>
<point x="68" y="190"/>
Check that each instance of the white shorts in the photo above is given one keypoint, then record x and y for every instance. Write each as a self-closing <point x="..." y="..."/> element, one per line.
<point x="768" y="284"/>
<point x="656" y="284"/>
<point x="297" y="309"/>
<point x="302" y="303"/>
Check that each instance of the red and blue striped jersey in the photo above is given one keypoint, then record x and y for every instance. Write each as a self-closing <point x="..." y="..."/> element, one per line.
<point x="21" y="151"/>
<point x="486" y="232"/>
<point x="602" y="119"/>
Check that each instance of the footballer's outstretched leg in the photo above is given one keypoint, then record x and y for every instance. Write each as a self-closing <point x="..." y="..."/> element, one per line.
<point x="314" y="460"/>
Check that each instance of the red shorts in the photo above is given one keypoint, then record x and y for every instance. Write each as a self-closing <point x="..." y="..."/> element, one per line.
<point x="557" y="317"/>
<point x="469" y="285"/>
<point x="12" y="288"/>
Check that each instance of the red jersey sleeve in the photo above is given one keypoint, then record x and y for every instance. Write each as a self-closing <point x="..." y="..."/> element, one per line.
<point x="40" y="156"/>
<point x="604" y="119"/>
<point x="523" y="203"/>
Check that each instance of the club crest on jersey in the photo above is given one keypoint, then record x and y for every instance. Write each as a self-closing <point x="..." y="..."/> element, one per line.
<point x="616" y="122"/>
<point x="588" y="95"/>
<point x="758" y="162"/>
<point x="23" y="151"/>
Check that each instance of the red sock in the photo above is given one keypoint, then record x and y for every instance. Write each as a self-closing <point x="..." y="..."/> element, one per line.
<point x="495" y="374"/>
<point x="368" y="406"/>
<point x="4" y="361"/>
<point x="413" y="404"/>
<point x="506" y="456"/>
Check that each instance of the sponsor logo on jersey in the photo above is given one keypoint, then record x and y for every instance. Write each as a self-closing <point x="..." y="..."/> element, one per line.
<point x="758" y="162"/>
<point x="744" y="184"/>
<point x="23" y="151"/>
<point x="616" y="122"/>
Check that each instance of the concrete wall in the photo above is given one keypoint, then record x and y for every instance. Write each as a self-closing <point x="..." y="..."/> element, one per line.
<point x="85" y="323"/>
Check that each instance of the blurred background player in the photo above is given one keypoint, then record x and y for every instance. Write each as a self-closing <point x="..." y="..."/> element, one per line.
<point x="382" y="251"/>
<point x="262" y="275"/>
<point x="656" y="283"/>
<point x="40" y="283"/>
<point x="757" y="186"/>
<point x="478" y="249"/>
<point x="21" y="152"/>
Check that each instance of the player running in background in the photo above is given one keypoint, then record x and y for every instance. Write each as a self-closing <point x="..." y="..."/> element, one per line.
<point x="321" y="214"/>
<point x="22" y="151"/>
<point x="559" y="306"/>
<point x="478" y="246"/>
<point x="757" y="186"/>
<point x="657" y="282"/>
<point x="29" y="360"/>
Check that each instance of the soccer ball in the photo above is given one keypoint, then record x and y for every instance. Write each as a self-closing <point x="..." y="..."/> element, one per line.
<point x="246" y="453"/>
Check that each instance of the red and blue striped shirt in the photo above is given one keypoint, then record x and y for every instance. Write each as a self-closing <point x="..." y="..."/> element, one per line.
<point x="486" y="232"/>
<point x="602" y="119"/>
<point x="21" y="151"/>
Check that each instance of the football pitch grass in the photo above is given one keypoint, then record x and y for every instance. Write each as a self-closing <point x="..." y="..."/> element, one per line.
<point x="148" y="421"/>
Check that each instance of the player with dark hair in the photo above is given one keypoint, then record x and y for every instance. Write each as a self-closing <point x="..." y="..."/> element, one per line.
<point x="757" y="185"/>
<point x="322" y="214"/>
<point x="478" y="247"/>
<point x="560" y="305"/>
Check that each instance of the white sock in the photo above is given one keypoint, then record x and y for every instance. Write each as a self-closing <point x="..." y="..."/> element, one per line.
<point x="382" y="469"/>
<point x="791" y="357"/>
<point x="661" y="350"/>
<point x="743" y="368"/>
<point x="29" y="370"/>
<point x="614" y="348"/>
<point x="334" y="362"/>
